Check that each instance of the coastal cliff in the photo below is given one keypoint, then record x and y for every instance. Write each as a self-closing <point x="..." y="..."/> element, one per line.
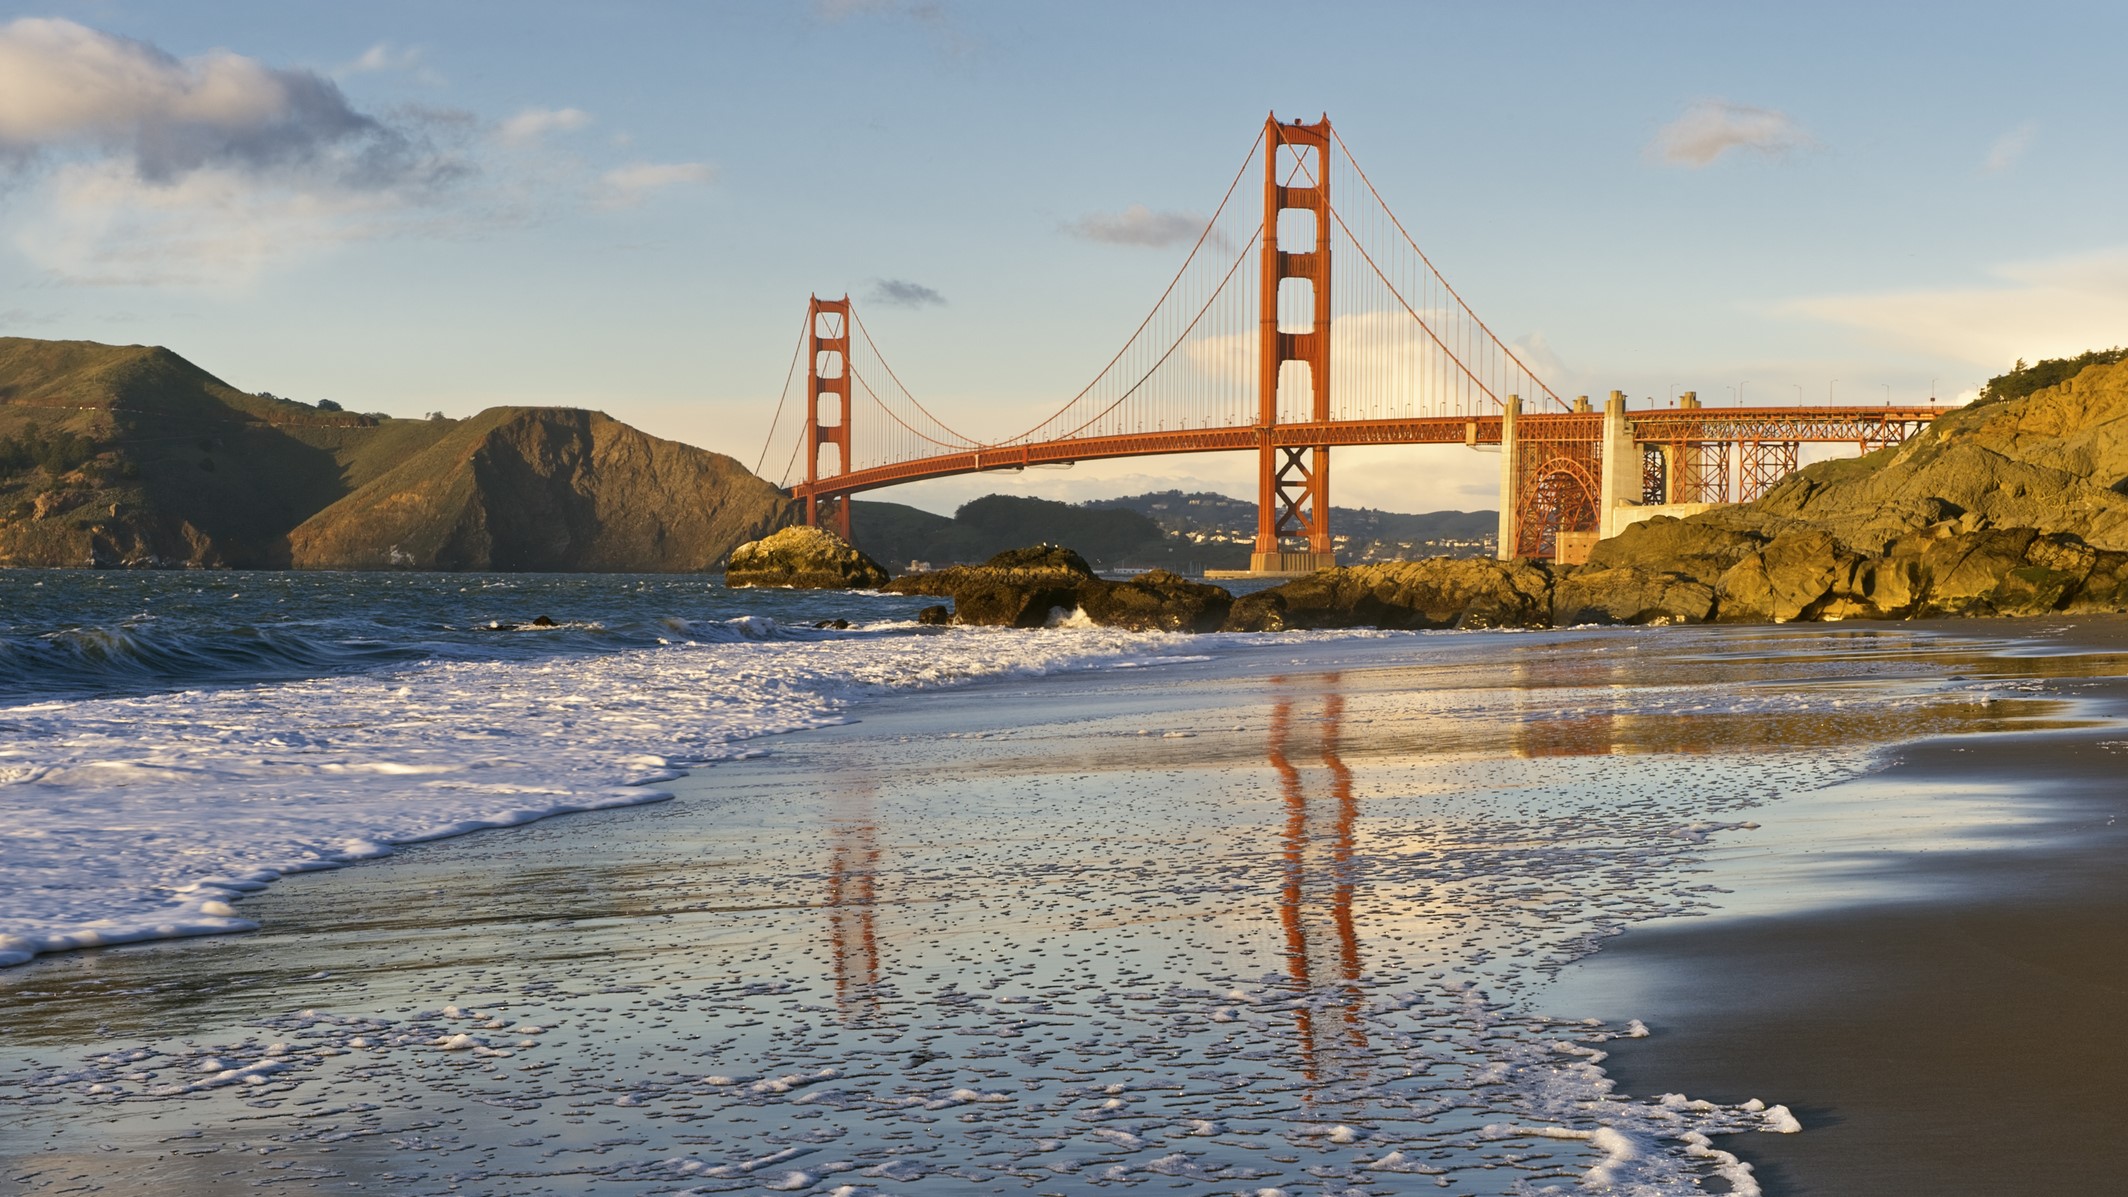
<point x="518" y="488"/>
<point x="129" y="455"/>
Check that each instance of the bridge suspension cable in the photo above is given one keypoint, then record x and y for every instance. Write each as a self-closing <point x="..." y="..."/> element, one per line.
<point x="1406" y="345"/>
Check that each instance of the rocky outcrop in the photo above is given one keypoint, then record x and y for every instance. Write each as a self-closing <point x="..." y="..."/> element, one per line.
<point x="803" y="558"/>
<point x="1953" y="567"/>
<point x="2010" y="507"/>
<point x="2055" y="460"/>
<point x="1440" y="592"/>
<point x="536" y="488"/>
<point x="1156" y="601"/>
<point x="1029" y="588"/>
<point x="1629" y="594"/>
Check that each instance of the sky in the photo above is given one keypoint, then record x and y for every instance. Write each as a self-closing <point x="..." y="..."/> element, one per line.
<point x="417" y="207"/>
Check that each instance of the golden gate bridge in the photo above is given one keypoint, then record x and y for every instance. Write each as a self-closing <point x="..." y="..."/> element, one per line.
<point x="1289" y="360"/>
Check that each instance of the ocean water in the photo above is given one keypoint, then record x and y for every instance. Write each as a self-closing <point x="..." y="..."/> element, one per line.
<point x="169" y="741"/>
<point x="1063" y="911"/>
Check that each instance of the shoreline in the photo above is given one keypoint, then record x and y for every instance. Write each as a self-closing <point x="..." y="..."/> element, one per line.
<point x="588" y="923"/>
<point x="1939" y="1018"/>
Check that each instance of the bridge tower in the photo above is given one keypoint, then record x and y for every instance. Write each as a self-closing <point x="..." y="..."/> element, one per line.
<point x="1293" y="482"/>
<point x="827" y="402"/>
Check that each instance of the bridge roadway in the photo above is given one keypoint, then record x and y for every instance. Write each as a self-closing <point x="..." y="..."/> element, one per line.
<point x="1867" y="427"/>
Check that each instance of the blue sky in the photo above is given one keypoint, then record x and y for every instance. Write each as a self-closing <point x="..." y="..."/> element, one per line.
<point x="624" y="206"/>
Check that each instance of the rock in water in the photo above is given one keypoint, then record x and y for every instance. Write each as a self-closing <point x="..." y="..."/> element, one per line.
<point x="1023" y="588"/>
<point x="1156" y="601"/>
<point x="803" y="558"/>
<point x="1017" y="588"/>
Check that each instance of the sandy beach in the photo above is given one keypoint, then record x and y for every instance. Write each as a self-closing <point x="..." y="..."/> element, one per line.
<point x="1927" y="965"/>
<point x="1307" y="919"/>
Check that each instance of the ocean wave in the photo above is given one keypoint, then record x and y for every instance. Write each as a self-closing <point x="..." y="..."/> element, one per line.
<point x="145" y="652"/>
<point x="145" y="816"/>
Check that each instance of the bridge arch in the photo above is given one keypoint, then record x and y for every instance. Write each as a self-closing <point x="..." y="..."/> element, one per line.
<point x="1559" y="495"/>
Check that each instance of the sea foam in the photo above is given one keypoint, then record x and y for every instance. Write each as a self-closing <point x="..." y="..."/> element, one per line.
<point x="143" y="817"/>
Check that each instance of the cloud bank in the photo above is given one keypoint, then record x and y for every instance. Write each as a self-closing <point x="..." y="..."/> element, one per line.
<point x="2056" y="307"/>
<point x="627" y="186"/>
<point x="1138" y="225"/>
<point x="1711" y="128"/>
<point x="128" y="165"/>
<point x="2008" y="148"/>
<point x="901" y="293"/>
<point x="535" y="123"/>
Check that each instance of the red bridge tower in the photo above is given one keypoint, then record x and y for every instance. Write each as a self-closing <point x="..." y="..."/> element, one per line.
<point x="1293" y="483"/>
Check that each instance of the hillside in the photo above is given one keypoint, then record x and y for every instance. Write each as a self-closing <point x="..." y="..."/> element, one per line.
<point x="519" y="488"/>
<point x="2054" y="459"/>
<point x="895" y="534"/>
<point x="1188" y="533"/>
<point x="1213" y="522"/>
<point x="131" y="455"/>
<point x="170" y="465"/>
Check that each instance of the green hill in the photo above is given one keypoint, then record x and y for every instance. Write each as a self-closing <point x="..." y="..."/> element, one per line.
<point x="546" y="488"/>
<point x="131" y="455"/>
<point x="1188" y="533"/>
<point x="895" y="535"/>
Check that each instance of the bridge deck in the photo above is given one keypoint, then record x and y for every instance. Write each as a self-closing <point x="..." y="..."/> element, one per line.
<point x="1860" y="425"/>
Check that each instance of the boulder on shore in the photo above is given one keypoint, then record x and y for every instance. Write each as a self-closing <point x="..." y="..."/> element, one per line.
<point x="1439" y="592"/>
<point x="1025" y="588"/>
<point x="803" y="558"/>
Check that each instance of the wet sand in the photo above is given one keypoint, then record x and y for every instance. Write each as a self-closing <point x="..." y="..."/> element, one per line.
<point x="1944" y="1010"/>
<point x="1188" y="930"/>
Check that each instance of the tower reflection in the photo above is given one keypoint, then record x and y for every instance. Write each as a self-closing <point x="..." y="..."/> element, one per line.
<point x="852" y="900"/>
<point x="1322" y="949"/>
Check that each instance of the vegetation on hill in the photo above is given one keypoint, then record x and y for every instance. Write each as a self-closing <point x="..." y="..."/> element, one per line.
<point x="1172" y="530"/>
<point x="53" y="452"/>
<point x="545" y="488"/>
<point x="897" y="535"/>
<point x="131" y="455"/>
<point x="1217" y="525"/>
<point x="2022" y="380"/>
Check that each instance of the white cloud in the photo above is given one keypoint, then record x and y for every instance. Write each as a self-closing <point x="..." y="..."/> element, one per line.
<point x="627" y="186"/>
<point x="2055" y="307"/>
<point x="901" y="293"/>
<point x="1138" y="225"/>
<point x="2008" y="148"/>
<point x="65" y="88"/>
<point x="532" y="124"/>
<point x="101" y="224"/>
<point x="137" y="166"/>
<point x="128" y="165"/>
<point x="384" y="56"/>
<point x="1383" y="365"/>
<point x="1710" y="128"/>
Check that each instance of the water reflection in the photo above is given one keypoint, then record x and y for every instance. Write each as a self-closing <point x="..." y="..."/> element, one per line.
<point x="853" y="899"/>
<point x="1322" y="949"/>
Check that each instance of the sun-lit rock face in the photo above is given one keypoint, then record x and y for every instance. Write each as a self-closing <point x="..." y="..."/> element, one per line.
<point x="805" y="558"/>
<point x="522" y="488"/>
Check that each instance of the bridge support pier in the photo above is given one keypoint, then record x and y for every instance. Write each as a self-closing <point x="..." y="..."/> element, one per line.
<point x="1293" y="482"/>
<point x="1510" y="482"/>
<point x="827" y="404"/>
<point x="1622" y="484"/>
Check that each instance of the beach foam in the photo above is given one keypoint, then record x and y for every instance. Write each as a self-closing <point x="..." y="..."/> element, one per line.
<point x="143" y="817"/>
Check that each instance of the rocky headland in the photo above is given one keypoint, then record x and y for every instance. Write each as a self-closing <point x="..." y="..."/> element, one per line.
<point x="131" y="456"/>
